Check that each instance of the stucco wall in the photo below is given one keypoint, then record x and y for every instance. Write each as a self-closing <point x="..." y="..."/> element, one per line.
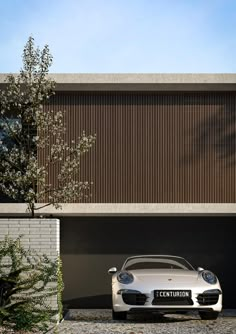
<point x="42" y="235"/>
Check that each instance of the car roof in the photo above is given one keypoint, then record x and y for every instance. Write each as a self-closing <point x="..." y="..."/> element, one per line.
<point x="154" y="255"/>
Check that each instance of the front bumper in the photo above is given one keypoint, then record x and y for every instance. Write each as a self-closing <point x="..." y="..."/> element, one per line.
<point x="147" y="302"/>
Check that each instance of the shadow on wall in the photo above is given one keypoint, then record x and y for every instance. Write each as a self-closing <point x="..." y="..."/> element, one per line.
<point x="215" y="133"/>
<point x="101" y="301"/>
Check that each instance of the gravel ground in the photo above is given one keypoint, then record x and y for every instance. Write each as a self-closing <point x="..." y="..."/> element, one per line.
<point x="99" y="322"/>
<point x="4" y="330"/>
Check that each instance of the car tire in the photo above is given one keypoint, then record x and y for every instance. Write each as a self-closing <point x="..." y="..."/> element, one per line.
<point x="212" y="315"/>
<point x="119" y="315"/>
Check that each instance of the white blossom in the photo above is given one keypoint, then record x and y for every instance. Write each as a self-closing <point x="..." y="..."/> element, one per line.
<point x="37" y="130"/>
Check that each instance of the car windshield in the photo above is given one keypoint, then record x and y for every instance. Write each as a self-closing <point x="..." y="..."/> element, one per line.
<point x="156" y="262"/>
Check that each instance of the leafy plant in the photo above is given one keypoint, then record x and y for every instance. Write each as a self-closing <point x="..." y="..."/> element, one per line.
<point x="60" y="287"/>
<point x="28" y="130"/>
<point x="28" y="281"/>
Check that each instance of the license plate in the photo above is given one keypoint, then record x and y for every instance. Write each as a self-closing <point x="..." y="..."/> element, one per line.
<point x="172" y="293"/>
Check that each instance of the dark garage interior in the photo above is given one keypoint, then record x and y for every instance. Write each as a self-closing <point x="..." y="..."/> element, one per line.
<point x="91" y="245"/>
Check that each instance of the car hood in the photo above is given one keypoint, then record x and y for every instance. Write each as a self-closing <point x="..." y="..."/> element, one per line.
<point x="165" y="275"/>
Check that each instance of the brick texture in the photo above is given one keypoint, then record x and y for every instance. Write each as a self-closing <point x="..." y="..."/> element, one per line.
<point x="42" y="235"/>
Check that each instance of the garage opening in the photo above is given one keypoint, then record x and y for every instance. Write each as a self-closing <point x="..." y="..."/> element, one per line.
<point x="91" y="245"/>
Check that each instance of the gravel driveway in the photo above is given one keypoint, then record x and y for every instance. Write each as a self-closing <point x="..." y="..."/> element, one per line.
<point x="99" y="322"/>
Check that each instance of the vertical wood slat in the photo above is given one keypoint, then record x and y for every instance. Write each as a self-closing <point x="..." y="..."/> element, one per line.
<point x="154" y="147"/>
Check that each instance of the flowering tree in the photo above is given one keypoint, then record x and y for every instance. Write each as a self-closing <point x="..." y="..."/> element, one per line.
<point x="26" y="129"/>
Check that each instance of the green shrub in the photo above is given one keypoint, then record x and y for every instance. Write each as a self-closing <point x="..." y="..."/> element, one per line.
<point x="27" y="282"/>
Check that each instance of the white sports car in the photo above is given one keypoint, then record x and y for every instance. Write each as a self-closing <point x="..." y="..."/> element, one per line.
<point x="165" y="284"/>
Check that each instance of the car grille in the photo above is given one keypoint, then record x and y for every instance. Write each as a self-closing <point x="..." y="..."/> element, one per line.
<point x="208" y="298"/>
<point x="172" y="301"/>
<point x="134" y="298"/>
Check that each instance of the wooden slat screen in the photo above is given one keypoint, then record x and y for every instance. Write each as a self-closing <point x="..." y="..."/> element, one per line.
<point x="155" y="147"/>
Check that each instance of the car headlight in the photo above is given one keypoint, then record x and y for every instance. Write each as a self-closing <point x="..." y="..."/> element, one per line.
<point x="125" y="277"/>
<point x="209" y="277"/>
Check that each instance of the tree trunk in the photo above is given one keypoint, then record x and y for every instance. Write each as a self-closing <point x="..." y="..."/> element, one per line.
<point x="32" y="209"/>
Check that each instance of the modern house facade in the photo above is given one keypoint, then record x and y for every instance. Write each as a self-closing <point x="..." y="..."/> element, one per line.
<point x="164" y="174"/>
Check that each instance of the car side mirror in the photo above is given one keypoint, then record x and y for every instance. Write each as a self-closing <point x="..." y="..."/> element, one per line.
<point x="112" y="270"/>
<point x="200" y="269"/>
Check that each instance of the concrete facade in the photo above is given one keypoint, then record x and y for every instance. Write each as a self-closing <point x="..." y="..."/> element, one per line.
<point x="141" y="82"/>
<point x="122" y="209"/>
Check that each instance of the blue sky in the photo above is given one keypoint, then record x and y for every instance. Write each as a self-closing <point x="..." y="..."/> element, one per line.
<point x="116" y="36"/>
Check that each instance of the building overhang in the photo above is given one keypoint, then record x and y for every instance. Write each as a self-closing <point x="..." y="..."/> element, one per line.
<point x="122" y="209"/>
<point x="141" y="82"/>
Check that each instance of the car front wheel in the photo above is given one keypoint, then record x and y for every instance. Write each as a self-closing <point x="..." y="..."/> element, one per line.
<point x="119" y="315"/>
<point x="208" y="315"/>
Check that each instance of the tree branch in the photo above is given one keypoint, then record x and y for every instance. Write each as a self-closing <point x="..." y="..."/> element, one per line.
<point x="43" y="206"/>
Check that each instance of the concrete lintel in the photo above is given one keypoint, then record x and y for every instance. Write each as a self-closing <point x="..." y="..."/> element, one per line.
<point x="142" y="81"/>
<point x="123" y="209"/>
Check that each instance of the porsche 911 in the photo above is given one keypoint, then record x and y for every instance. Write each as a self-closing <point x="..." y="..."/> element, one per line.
<point x="165" y="284"/>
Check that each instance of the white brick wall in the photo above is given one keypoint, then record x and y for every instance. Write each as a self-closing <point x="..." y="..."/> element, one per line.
<point x="43" y="235"/>
<point x="40" y="234"/>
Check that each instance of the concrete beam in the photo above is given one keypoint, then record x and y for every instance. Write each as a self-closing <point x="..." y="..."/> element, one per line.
<point x="142" y="82"/>
<point x="123" y="209"/>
